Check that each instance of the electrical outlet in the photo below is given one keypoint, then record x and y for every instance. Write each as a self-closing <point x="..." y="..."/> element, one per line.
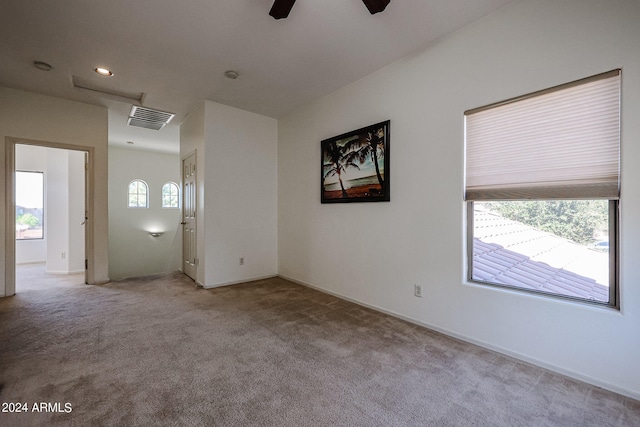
<point x="63" y="255"/>
<point x="417" y="290"/>
<point x="241" y="260"/>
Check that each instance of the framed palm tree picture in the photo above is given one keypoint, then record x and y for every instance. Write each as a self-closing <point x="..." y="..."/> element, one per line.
<point x="355" y="166"/>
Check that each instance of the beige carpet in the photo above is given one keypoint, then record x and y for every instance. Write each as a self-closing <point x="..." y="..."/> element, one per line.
<point x="158" y="351"/>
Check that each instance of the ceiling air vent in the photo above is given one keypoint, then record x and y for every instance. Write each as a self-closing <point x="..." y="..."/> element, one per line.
<point x="147" y="118"/>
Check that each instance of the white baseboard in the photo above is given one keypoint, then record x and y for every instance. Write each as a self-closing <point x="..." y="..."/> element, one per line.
<point x="64" y="272"/>
<point x="516" y="355"/>
<point x="219" y="285"/>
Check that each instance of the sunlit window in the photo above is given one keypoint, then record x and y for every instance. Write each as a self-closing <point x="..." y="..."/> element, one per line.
<point x="542" y="187"/>
<point x="170" y="195"/>
<point x="29" y="205"/>
<point x="138" y="194"/>
<point x="552" y="246"/>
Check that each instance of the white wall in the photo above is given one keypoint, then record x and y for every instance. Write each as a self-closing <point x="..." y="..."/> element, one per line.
<point x="57" y="211"/>
<point x="37" y="117"/>
<point x="241" y="195"/>
<point x="237" y="190"/>
<point x="374" y="253"/>
<point x="132" y="251"/>
<point x="64" y="210"/>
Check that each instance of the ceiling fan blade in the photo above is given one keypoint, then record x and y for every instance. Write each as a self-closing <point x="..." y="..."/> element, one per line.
<point x="375" y="6"/>
<point x="281" y="8"/>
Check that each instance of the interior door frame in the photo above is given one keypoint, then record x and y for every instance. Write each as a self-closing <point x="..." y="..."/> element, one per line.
<point x="10" y="223"/>
<point x="183" y="193"/>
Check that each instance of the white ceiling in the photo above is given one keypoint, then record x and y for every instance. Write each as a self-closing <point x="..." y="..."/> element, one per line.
<point x="176" y="52"/>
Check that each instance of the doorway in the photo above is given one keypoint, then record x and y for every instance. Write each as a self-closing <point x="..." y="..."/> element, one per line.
<point x="189" y="206"/>
<point x="58" y="233"/>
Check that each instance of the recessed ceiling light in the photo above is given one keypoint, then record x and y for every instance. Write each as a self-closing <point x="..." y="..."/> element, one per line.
<point x="42" y="66"/>
<point x="231" y="74"/>
<point x="103" y="71"/>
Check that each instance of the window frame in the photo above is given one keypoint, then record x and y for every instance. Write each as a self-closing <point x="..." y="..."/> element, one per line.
<point x="614" y="261"/>
<point x="613" y="209"/>
<point x="177" y="187"/>
<point x="146" y="206"/>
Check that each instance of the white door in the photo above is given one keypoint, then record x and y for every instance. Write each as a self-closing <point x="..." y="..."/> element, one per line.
<point x="189" y="253"/>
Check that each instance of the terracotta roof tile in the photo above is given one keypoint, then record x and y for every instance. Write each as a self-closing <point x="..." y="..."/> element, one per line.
<point x="511" y="253"/>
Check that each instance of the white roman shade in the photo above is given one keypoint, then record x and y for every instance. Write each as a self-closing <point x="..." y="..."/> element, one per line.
<point x="560" y="143"/>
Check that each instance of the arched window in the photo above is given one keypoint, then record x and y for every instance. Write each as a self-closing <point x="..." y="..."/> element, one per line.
<point x="170" y="195"/>
<point x="138" y="191"/>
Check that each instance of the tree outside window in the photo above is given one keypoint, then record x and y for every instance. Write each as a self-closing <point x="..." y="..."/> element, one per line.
<point x="29" y="205"/>
<point x="170" y="195"/>
<point x="138" y="191"/>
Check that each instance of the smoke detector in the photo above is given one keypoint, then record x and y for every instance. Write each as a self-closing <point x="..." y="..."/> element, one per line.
<point x="231" y="74"/>
<point x="42" y="66"/>
<point x="147" y="118"/>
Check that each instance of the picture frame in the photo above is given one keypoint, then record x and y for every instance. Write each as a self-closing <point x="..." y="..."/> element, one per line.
<point x="355" y="166"/>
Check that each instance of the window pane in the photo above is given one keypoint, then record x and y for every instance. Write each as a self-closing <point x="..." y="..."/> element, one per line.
<point x="29" y="205"/>
<point x="559" y="247"/>
<point x="137" y="194"/>
<point x="170" y="195"/>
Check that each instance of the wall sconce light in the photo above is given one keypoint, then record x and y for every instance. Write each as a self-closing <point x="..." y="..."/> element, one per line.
<point x="156" y="233"/>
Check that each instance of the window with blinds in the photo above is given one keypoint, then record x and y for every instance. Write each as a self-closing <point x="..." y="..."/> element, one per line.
<point x="542" y="184"/>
